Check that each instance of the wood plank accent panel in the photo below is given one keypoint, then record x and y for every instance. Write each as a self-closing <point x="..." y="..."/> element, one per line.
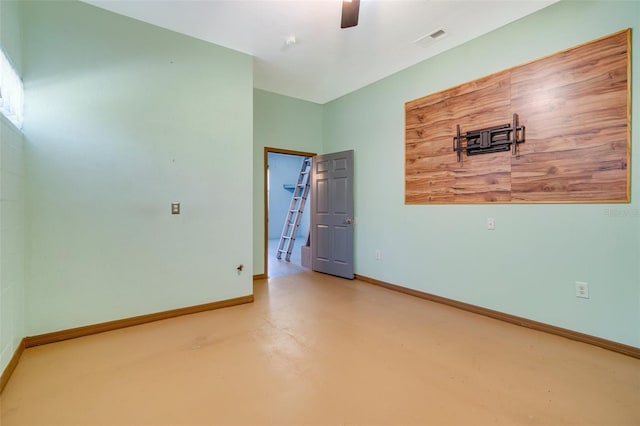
<point x="575" y="106"/>
<point x="610" y="345"/>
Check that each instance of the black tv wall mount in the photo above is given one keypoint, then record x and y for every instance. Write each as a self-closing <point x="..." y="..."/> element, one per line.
<point x="506" y="137"/>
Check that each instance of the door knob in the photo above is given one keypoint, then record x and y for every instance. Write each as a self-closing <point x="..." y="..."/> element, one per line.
<point x="348" y="221"/>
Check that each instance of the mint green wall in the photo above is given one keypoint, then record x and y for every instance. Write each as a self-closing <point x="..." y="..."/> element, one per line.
<point x="12" y="305"/>
<point x="529" y="264"/>
<point x="285" y="123"/>
<point x="122" y="118"/>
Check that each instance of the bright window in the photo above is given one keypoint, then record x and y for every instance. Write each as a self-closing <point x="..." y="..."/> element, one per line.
<point x="11" y="92"/>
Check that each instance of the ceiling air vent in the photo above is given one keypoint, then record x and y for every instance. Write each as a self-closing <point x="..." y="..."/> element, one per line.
<point x="426" y="40"/>
<point x="438" y="34"/>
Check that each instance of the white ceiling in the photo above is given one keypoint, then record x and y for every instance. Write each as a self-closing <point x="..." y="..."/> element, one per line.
<point x="326" y="62"/>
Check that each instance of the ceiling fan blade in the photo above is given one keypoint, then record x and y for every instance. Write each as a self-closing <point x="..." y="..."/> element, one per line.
<point x="350" y="11"/>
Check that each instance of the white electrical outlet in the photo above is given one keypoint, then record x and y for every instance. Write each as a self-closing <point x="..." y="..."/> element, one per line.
<point x="582" y="290"/>
<point x="378" y="254"/>
<point x="491" y="224"/>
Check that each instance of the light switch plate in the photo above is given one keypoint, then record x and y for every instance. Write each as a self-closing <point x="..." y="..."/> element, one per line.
<point x="175" y="208"/>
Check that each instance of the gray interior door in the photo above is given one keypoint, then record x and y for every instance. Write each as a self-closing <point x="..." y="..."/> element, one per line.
<point x="332" y="214"/>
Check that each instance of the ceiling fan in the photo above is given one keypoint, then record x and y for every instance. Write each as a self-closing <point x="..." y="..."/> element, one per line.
<point x="350" y="11"/>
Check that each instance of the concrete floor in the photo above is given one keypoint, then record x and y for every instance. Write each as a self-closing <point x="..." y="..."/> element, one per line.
<point x="318" y="350"/>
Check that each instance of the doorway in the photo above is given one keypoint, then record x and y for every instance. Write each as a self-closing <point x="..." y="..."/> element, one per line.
<point x="281" y="171"/>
